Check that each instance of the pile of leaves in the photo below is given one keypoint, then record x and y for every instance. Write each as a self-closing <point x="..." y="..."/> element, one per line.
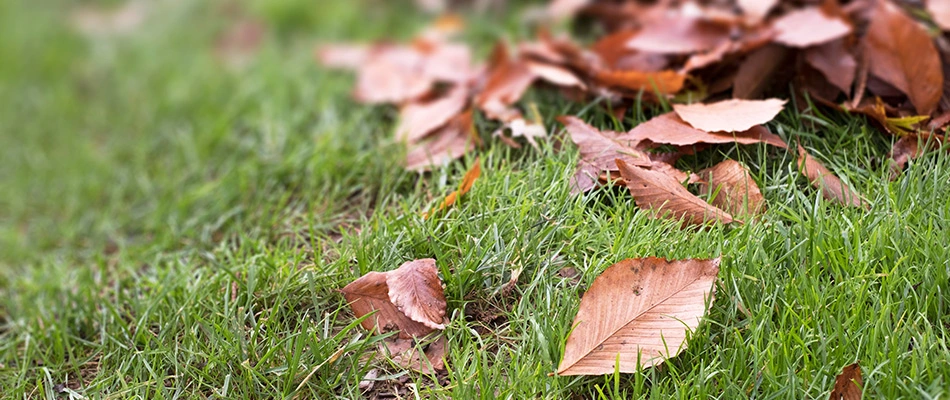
<point x="726" y="67"/>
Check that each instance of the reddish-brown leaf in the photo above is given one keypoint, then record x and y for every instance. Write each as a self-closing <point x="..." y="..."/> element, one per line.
<point x="343" y="56"/>
<point x="832" y="188"/>
<point x="848" y="384"/>
<point x="416" y="291"/>
<point x="555" y="75"/>
<point x="637" y="314"/>
<point x="808" y="27"/>
<point x="506" y="84"/>
<point x="392" y="75"/>
<point x="671" y="129"/>
<point x="416" y="120"/>
<point x="663" y="82"/>
<point x="940" y="12"/>
<point x="757" y="70"/>
<point x="903" y="55"/>
<point x="756" y="10"/>
<point x="408" y="299"/>
<point x="835" y="62"/>
<point x="661" y="193"/>
<point x="737" y="192"/>
<point x="905" y="149"/>
<point x="678" y="34"/>
<point x="423" y="357"/>
<point x="467" y="182"/>
<point x="598" y="152"/>
<point x="447" y="143"/>
<point x="729" y="115"/>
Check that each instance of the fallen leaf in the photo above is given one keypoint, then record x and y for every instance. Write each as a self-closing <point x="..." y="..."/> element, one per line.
<point x="637" y="314"/>
<point x="848" y="384"/>
<point x="669" y="128"/>
<point x="447" y="143"/>
<point x="738" y="193"/>
<point x="808" y="27"/>
<point x="598" y="152"/>
<point x="416" y="120"/>
<point x="904" y="149"/>
<point x="832" y="188"/>
<point x="677" y="33"/>
<point x="408" y="299"/>
<point x="662" y="82"/>
<point x="343" y="56"/>
<point x="757" y="70"/>
<point x="505" y="85"/>
<point x="467" y="182"/>
<point x="902" y="54"/>
<point x="425" y="357"/>
<point x="940" y="12"/>
<point x="392" y="75"/>
<point x="729" y="115"/>
<point x="666" y="196"/>
<point x="555" y="75"/>
<point x="558" y="9"/>
<point x="835" y="62"/>
<point x="756" y="10"/>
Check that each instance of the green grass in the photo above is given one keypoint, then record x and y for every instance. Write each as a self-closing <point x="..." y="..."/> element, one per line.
<point x="174" y="229"/>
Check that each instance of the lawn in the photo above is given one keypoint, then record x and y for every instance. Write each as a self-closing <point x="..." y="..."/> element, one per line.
<point x="172" y="226"/>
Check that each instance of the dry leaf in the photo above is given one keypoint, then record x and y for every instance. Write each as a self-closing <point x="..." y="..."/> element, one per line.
<point x="506" y="84"/>
<point x="756" y="10"/>
<point x="555" y="75"/>
<point x="662" y="82"/>
<point x="834" y="61"/>
<point x="447" y="143"/>
<point x="737" y="191"/>
<point x="671" y="129"/>
<point x="678" y="34"/>
<point x="425" y="357"/>
<point x="666" y="196"/>
<point x="902" y="54"/>
<point x="757" y="70"/>
<point x="467" y="182"/>
<point x="638" y="310"/>
<point x="940" y="12"/>
<point x="598" y="152"/>
<point x="905" y="149"/>
<point x="848" y="384"/>
<point x="392" y="75"/>
<point x="729" y="115"/>
<point x="343" y="56"/>
<point x="408" y="299"/>
<point x="808" y="27"/>
<point x="416" y="120"/>
<point x="832" y="188"/>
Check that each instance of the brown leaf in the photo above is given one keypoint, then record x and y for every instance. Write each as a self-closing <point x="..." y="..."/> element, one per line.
<point x="637" y="314"/>
<point x="408" y="299"/>
<point x="506" y="84"/>
<point x="940" y="12"/>
<point x="467" y="182"/>
<point x="903" y="55"/>
<point x="848" y="384"/>
<point x="392" y="75"/>
<point x="555" y="75"/>
<point x="738" y="193"/>
<point x="808" y="27"/>
<point x="660" y="192"/>
<point x="670" y="129"/>
<point x="905" y="149"/>
<point x="598" y="152"/>
<point x="409" y="353"/>
<point x="447" y="143"/>
<point x="757" y="70"/>
<point x="416" y="120"/>
<point x="832" y="188"/>
<point x="663" y="82"/>
<point x="729" y="115"/>
<point x="678" y="34"/>
<point x="756" y="10"/>
<point x="835" y="62"/>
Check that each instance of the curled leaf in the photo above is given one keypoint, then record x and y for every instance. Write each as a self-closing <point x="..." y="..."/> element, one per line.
<point x="661" y="193"/>
<point x="467" y="182"/>
<point x="848" y="384"/>
<point x="736" y="192"/>
<point x="832" y="188"/>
